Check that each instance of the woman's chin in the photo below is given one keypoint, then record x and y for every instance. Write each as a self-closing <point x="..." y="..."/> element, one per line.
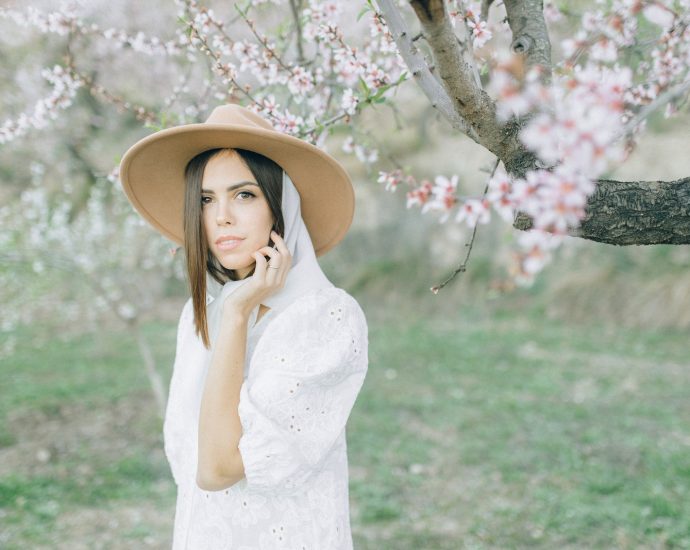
<point x="240" y="267"/>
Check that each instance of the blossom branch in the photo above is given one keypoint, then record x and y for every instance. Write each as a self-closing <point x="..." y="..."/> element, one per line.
<point x="296" y="6"/>
<point x="463" y="266"/>
<point x="484" y="14"/>
<point x="661" y="100"/>
<point x="225" y="70"/>
<point x="140" y="112"/>
<point x="262" y="39"/>
<point x="469" y="101"/>
<point x="628" y="212"/>
<point x="430" y="85"/>
<point x="530" y="35"/>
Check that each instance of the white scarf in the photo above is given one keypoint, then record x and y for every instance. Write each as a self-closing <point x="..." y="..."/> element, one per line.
<point x="305" y="273"/>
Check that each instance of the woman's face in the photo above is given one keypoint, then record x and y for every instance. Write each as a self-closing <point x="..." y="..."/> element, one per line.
<point x="236" y="216"/>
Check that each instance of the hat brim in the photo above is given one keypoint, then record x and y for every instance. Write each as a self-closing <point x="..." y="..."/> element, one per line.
<point x="152" y="175"/>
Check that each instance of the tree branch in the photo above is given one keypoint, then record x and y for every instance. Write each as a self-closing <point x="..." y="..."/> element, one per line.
<point x="296" y="7"/>
<point x="415" y="61"/>
<point x="465" y="41"/>
<point x="530" y="35"/>
<point x="633" y="212"/>
<point x="484" y="13"/>
<point x="469" y="100"/>
<point x="664" y="98"/>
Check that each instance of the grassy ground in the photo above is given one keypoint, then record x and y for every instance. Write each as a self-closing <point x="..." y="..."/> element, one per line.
<point x="513" y="432"/>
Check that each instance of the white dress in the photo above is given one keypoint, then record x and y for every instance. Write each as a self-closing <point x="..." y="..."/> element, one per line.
<point x="303" y="371"/>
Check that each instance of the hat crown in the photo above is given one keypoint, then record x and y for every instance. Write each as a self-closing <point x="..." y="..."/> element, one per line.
<point x="237" y="115"/>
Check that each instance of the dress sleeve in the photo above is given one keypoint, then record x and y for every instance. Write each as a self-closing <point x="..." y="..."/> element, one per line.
<point x="304" y="377"/>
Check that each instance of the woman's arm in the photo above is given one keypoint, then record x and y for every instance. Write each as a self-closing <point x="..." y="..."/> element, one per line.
<point x="220" y="463"/>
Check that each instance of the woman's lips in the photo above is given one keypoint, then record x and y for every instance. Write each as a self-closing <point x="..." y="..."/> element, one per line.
<point x="229" y="244"/>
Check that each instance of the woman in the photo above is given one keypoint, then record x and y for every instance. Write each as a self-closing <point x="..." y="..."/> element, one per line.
<point x="270" y="355"/>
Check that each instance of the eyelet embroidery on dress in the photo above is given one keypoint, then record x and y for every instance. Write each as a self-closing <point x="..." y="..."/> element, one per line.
<point x="280" y="536"/>
<point x="266" y="408"/>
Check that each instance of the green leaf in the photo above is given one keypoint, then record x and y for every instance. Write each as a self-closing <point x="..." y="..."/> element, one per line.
<point x="362" y="12"/>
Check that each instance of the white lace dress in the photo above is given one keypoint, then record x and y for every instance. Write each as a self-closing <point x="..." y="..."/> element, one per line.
<point x="304" y="368"/>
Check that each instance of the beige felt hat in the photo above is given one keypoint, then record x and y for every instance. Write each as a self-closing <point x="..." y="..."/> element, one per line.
<point x="152" y="172"/>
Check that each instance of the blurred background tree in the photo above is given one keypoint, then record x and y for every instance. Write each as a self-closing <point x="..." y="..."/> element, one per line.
<point x="81" y="82"/>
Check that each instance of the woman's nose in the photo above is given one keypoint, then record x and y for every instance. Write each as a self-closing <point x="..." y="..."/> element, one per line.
<point x="223" y="214"/>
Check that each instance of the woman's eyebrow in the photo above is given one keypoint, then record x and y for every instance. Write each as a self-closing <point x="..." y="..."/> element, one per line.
<point x="231" y="187"/>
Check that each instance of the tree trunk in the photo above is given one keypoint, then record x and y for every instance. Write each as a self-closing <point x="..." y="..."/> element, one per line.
<point x="633" y="212"/>
<point x="152" y="373"/>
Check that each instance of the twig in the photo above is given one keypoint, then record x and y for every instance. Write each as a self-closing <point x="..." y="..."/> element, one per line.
<point x="463" y="266"/>
<point x="205" y="48"/>
<point x="468" y="50"/>
<point x="484" y="14"/>
<point x="262" y="39"/>
<point x="662" y="99"/>
<point x="140" y="112"/>
<point x="296" y="6"/>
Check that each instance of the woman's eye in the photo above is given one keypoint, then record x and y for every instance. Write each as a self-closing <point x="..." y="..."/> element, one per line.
<point x="245" y="193"/>
<point x="205" y="200"/>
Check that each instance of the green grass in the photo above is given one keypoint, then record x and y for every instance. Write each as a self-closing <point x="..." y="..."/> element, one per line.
<point x="83" y="376"/>
<point x="578" y="439"/>
<point x="517" y="432"/>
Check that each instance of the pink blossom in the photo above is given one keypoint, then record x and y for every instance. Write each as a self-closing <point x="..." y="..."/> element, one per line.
<point x="300" y="83"/>
<point x="420" y="195"/>
<point x="540" y="135"/>
<point x="65" y="87"/>
<point x="288" y="123"/>
<point x="349" y="102"/>
<point x="391" y="179"/>
<point x="480" y="32"/>
<point x="510" y="101"/>
<point x="474" y="211"/>
<point x="498" y="194"/>
<point x="349" y="147"/>
<point x="658" y="14"/>
<point x="366" y="155"/>
<point x="443" y="196"/>
<point x="604" y="50"/>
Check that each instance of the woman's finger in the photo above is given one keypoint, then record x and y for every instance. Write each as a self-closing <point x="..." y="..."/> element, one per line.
<point x="286" y="257"/>
<point x="280" y="244"/>
<point x="274" y="268"/>
<point x="260" y="268"/>
<point x="273" y="253"/>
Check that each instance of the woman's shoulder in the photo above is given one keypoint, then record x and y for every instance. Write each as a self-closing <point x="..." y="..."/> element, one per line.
<point x="317" y="311"/>
<point x="325" y="301"/>
<point x="313" y="306"/>
<point x="321" y="331"/>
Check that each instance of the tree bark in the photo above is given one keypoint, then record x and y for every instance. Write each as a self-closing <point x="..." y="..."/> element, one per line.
<point x="423" y="74"/>
<point x="633" y="212"/>
<point x="621" y="213"/>
<point x="471" y="102"/>
<point x="154" y="377"/>
<point x="530" y="35"/>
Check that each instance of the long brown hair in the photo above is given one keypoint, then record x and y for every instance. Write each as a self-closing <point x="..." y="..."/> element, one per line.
<point x="199" y="259"/>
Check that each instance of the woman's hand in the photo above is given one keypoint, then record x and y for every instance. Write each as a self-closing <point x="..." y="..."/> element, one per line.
<point x="266" y="278"/>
